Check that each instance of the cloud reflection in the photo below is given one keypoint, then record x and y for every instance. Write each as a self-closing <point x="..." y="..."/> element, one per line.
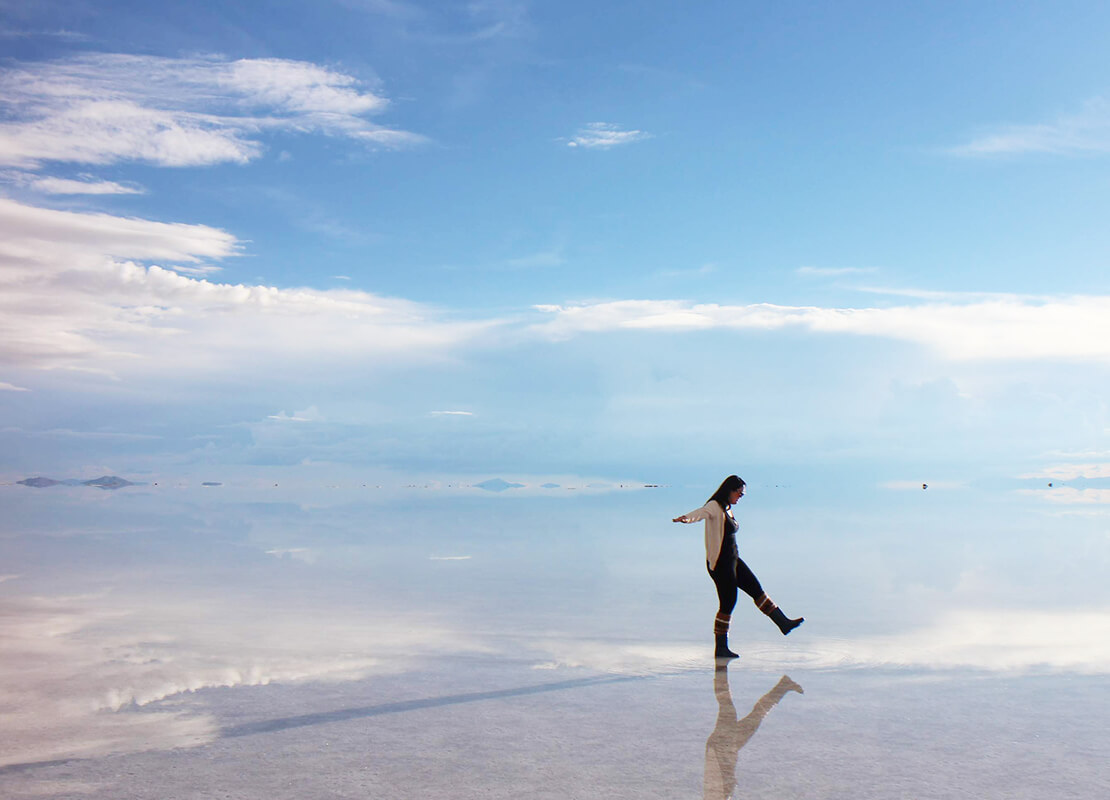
<point x="991" y="640"/>
<point x="82" y="677"/>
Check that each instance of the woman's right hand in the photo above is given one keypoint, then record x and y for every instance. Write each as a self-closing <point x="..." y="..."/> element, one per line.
<point x="680" y="519"/>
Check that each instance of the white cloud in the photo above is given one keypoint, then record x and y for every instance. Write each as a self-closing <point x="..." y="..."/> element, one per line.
<point x="451" y="413"/>
<point x="73" y="295"/>
<point x="1084" y="133"/>
<point x="103" y="108"/>
<point x="604" y="135"/>
<point x="1074" y="328"/>
<point x="11" y="387"/>
<point x="69" y="186"/>
<point x="1067" y="472"/>
<point x="310" y="414"/>
<point x="33" y="238"/>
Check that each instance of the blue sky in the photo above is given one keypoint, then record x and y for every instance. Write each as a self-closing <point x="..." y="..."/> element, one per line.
<point x="648" y="241"/>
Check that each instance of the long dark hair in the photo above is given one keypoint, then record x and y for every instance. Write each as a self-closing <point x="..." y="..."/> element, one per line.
<point x="727" y="487"/>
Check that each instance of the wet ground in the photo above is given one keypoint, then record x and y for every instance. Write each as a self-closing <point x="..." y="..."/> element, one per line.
<point x="482" y="728"/>
<point x="187" y="645"/>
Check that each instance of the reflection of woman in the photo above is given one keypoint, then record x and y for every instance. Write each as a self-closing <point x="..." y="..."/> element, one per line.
<point x="725" y="567"/>
<point x="730" y="733"/>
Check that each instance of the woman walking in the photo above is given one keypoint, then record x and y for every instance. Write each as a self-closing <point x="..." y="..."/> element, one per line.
<point x="727" y="570"/>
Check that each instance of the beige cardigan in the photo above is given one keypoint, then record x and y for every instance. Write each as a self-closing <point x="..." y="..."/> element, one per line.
<point x="714" y="517"/>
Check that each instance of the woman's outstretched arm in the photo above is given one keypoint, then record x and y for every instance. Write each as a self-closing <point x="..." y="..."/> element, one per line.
<point x="696" y="515"/>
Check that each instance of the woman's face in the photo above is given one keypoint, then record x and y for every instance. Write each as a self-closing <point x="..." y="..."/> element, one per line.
<point x="735" y="495"/>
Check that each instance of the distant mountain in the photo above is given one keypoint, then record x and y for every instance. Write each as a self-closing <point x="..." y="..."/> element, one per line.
<point x="498" y="485"/>
<point x="39" y="483"/>
<point x="103" y="482"/>
<point x="108" y="482"/>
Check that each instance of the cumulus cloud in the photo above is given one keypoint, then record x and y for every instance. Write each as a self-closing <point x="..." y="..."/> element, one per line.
<point x="103" y="108"/>
<point x="73" y="292"/>
<point x="1084" y="133"/>
<point x="1001" y="327"/>
<point x="604" y="136"/>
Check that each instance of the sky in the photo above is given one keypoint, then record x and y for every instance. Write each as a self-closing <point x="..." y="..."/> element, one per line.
<point x="646" y="241"/>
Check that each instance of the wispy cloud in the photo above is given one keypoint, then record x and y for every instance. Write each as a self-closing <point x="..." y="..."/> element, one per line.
<point x="71" y="36"/>
<point x="1068" y="472"/>
<point x="1084" y="133"/>
<point x="833" y="272"/>
<point x="604" y="136"/>
<point x="70" y="186"/>
<point x="68" y="433"/>
<point x="11" y="387"/>
<point x="1069" y="495"/>
<point x="310" y="414"/>
<point x="451" y="413"/>
<point x="104" y="108"/>
<point x="1011" y="328"/>
<point x="916" y="485"/>
<point x="542" y="259"/>
<point x="690" y="272"/>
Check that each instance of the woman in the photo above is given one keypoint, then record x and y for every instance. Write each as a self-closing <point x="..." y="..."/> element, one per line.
<point x="725" y="567"/>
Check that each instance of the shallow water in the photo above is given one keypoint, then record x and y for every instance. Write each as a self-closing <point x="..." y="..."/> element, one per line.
<point x="395" y="642"/>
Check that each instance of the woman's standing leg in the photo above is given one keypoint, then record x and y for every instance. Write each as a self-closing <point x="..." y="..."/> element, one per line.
<point x="724" y="578"/>
<point x="747" y="581"/>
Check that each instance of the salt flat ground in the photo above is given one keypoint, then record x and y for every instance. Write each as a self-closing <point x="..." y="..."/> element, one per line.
<point x="479" y="727"/>
<point x="186" y="642"/>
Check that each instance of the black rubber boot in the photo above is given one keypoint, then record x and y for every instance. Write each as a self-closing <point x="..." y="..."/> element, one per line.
<point x="722" y="650"/>
<point x="785" y="625"/>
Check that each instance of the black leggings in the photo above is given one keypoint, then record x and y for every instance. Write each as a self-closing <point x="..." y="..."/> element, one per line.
<point x="732" y="574"/>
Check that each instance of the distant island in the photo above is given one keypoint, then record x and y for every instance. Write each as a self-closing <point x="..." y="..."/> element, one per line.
<point x="103" y="482"/>
<point x="498" y="485"/>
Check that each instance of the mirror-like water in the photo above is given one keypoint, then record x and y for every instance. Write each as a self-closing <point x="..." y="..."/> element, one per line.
<point x="166" y="642"/>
